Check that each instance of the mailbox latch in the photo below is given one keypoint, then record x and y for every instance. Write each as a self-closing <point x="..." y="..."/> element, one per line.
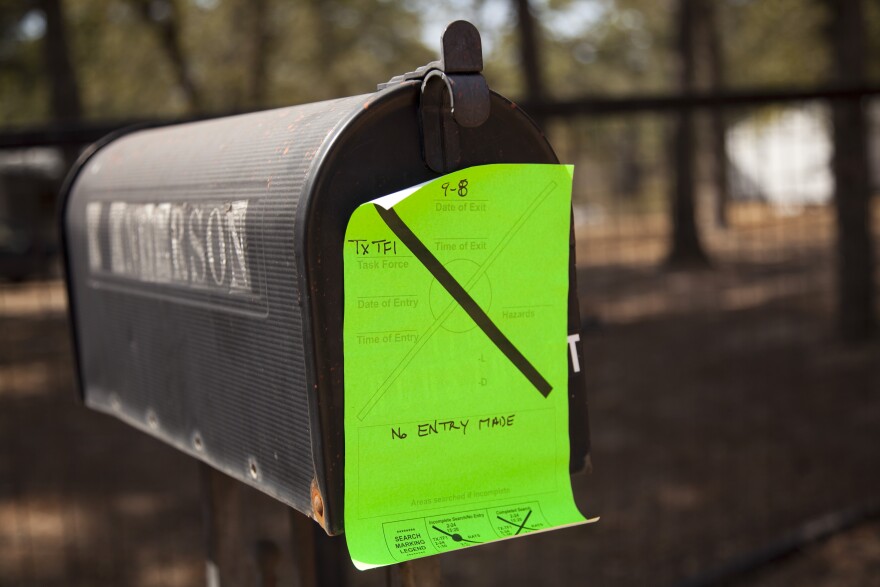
<point x="454" y="94"/>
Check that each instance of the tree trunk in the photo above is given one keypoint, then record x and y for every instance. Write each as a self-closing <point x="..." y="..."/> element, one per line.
<point x="686" y="250"/>
<point x="628" y="180"/>
<point x="327" y="48"/>
<point x="167" y="27"/>
<point x="258" y="82"/>
<point x="709" y="44"/>
<point x="529" y="53"/>
<point x="720" y="163"/>
<point x="64" y="95"/>
<point x="852" y="192"/>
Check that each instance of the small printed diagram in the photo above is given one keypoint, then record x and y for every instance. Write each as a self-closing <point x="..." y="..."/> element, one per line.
<point x="517" y="519"/>
<point x="430" y="535"/>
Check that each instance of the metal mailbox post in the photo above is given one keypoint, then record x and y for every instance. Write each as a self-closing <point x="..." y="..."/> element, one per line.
<point x="204" y="265"/>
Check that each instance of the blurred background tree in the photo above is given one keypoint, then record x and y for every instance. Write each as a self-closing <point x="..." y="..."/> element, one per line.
<point x="173" y="57"/>
<point x="91" y="60"/>
<point x="163" y="58"/>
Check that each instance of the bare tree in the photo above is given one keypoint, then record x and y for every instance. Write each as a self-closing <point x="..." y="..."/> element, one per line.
<point x="686" y="249"/>
<point x="707" y="39"/>
<point x="852" y="192"/>
<point x="64" y="96"/>
<point x="164" y="17"/>
<point x="253" y="32"/>
<point x="529" y="52"/>
<point x="327" y="49"/>
<point x="628" y="163"/>
<point x="259" y="47"/>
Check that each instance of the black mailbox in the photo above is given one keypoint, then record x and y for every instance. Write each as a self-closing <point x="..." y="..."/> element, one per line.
<point x="204" y="265"/>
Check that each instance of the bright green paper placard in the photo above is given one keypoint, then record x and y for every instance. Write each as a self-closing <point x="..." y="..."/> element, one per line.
<point x="456" y="364"/>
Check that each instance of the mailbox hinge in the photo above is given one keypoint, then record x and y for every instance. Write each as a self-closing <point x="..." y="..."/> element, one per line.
<point x="454" y="94"/>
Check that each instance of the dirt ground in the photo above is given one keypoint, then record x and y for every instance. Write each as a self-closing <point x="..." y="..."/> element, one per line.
<point x="724" y="414"/>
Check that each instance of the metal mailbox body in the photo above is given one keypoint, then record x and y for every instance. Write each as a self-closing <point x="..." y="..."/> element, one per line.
<point x="204" y="267"/>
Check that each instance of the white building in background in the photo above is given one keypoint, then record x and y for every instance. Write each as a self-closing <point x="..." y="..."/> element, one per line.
<point x="783" y="157"/>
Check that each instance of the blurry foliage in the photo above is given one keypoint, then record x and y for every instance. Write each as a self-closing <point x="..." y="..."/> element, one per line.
<point x="236" y="57"/>
<point x="626" y="45"/>
<point x="872" y="15"/>
<point x="313" y="50"/>
<point x="775" y="42"/>
<point x="333" y="48"/>
<point x="626" y="48"/>
<point x="23" y="87"/>
<point x="117" y="62"/>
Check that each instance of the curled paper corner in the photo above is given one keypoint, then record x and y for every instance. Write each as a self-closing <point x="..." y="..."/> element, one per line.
<point x="362" y="566"/>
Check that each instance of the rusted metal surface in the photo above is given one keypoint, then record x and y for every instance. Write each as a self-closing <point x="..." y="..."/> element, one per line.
<point x="317" y="504"/>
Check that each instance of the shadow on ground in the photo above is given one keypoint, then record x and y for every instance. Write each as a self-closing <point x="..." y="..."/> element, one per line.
<point x="723" y="414"/>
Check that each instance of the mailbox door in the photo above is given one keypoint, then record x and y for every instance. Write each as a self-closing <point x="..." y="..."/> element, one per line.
<point x="377" y="153"/>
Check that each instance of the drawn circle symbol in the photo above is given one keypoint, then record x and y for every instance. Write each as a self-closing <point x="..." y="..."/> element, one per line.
<point x="481" y="291"/>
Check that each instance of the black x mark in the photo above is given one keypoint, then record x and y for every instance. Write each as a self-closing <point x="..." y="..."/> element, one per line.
<point x="460" y="295"/>
<point x="519" y="527"/>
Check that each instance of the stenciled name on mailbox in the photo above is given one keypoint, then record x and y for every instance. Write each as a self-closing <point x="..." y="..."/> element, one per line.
<point x="198" y="245"/>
